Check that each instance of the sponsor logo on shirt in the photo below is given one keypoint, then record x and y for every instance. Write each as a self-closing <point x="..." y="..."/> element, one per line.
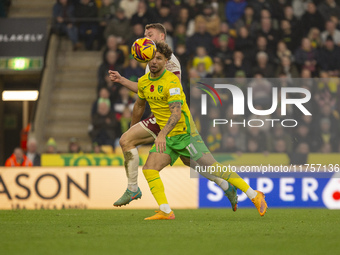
<point x="174" y="91"/>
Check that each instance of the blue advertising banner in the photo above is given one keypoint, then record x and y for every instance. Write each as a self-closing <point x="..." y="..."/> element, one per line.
<point x="292" y="191"/>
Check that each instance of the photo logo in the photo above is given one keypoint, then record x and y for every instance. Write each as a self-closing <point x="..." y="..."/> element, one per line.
<point x="239" y="104"/>
<point x="204" y="97"/>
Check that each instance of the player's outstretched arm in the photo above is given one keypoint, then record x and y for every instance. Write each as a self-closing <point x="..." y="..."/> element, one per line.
<point x="138" y="110"/>
<point x="175" y="116"/>
<point x="116" y="77"/>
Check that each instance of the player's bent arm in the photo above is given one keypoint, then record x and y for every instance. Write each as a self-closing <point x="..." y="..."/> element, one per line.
<point x="175" y="116"/>
<point x="116" y="77"/>
<point x="131" y="85"/>
<point x="138" y="110"/>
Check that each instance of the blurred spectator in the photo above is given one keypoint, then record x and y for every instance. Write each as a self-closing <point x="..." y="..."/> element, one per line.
<point x="335" y="20"/>
<point x="282" y="51"/>
<point x="201" y="71"/>
<point x="164" y="15"/>
<point x="222" y="50"/>
<point x="32" y="153"/>
<point x="137" y="32"/>
<point x="259" y="5"/>
<point x="258" y="138"/>
<point x="183" y="18"/>
<point x="51" y="146"/>
<point x="234" y="9"/>
<point x="266" y="15"/>
<point x="63" y="21"/>
<point x="96" y="148"/>
<point x="105" y="14"/>
<point x="248" y="21"/>
<point x="287" y="68"/>
<point x="214" y="138"/>
<point x="299" y="156"/>
<point x="213" y="22"/>
<point x="129" y="7"/>
<point x="119" y="27"/>
<point x="262" y="91"/>
<point x="228" y="144"/>
<point x="289" y="36"/>
<point x="125" y="119"/>
<point x="332" y="32"/>
<point x="134" y="70"/>
<point x="325" y="136"/>
<point x="143" y="15"/>
<point x="312" y="18"/>
<point x="123" y="101"/>
<point x="18" y="158"/>
<point x="194" y="7"/>
<point x="105" y="128"/>
<point x="302" y="134"/>
<point x="200" y="38"/>
<point x="87" y="11"/>
<point x="306" y="56"/>
<point x="269" y="33"/>
<point x="278" y="133"/>
<point x="180" y="35"/>
<point x="328" y="56"/>
<point x="263" y="66"/>
<point x="202" y="57"/>
<point x="109" y="64"/>
<point x="315" y="37"/>
<point x="239" y="63"/>
<point x="299" y="7"/>
<point x="328" y="8"/>
<point x="112" y="44"/>
<point x="239" y="137"/>
<point x="290" y="17"/>
<point x="243" y="41"/>
<point x="326" y="148"/>
<point x="73" y="146"/>
<point x="280" y="146"/>
<point x="104" y="95"/>
<point x="4" y="5"/>
<point x="253" y="146"/>
<point x="261" y="45"/>
<point x="218" y="70"/>
<point x="182" y="56"/>
<point x="225" y="33"/>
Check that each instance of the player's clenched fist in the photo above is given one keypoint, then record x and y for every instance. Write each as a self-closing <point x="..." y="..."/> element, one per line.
<point x="114" y="76"/>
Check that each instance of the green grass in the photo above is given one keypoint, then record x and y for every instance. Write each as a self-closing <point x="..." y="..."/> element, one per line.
<point x="204" y="231"/>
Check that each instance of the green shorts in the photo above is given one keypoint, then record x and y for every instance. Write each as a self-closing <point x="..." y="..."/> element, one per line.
<point x="190" y="146"/>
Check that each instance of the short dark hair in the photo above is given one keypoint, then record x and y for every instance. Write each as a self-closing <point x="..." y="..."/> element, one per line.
<point x="164" y="49"/>
<point x="157" y="26"/>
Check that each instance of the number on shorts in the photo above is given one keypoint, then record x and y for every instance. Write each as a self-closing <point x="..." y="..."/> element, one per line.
<point x="192" y="150"/>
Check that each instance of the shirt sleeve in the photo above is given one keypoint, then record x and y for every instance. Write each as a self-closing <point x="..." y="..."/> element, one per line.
<point x="140" y="90"/>
<point x="175" y="91"/>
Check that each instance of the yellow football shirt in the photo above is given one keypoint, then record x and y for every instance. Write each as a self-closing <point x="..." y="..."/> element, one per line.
<point x="160" y="92"/>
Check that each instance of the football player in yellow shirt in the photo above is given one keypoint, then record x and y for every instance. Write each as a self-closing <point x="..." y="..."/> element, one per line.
<point x="163" y="91"/>
<point x="146" y="131"/>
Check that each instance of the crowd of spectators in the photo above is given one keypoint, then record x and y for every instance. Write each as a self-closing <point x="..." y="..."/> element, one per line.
<point x="4" y="6"/>
<point x="283" y="39"/>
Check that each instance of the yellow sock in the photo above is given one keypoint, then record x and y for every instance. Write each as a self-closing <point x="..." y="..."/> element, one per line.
<point x="156" y="185"/>
<point x="230" y="176"/>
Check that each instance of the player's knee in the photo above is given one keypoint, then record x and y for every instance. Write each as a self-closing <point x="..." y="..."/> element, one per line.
<point x="124" y="141"/>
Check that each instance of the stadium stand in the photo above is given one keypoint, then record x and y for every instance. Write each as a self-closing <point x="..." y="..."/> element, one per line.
<point x="274" y="39"/>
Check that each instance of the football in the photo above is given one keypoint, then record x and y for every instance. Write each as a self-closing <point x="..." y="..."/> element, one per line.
<point x="143" y="50"/>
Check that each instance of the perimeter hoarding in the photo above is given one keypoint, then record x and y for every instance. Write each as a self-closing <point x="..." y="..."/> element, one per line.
<point x="293" y="190"/>
<point x="88" y="187"/>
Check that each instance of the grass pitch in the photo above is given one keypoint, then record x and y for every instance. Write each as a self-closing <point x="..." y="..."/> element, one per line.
<point x="203" y="231"/>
